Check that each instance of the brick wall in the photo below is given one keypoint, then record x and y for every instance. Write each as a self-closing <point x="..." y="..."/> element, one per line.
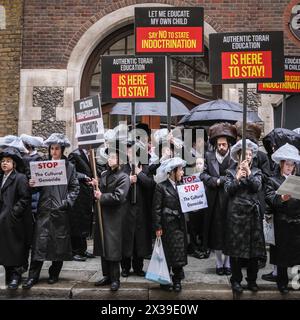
<point x="53" y="27"/>
<point x="10" y="59"/>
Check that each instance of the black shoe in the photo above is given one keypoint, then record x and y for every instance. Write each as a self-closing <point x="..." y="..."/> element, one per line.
<point x="13" y="285"/>
<point x="125" y="273"/>
<point x="252" y="286"/>
<point x="29" y="283"/>
<point x="269" y="277"/>
<point x="115" y="285"/>
<point x="140" y="273"/>
<point x="220" y="271"/>
<point x="227" y="271"/>
<point x="52" y="279"/>
<point x="262" y="263"/>
<point x="78" y="257"/>
<point x="177" y="287"/>
<point x="89" y="255"/>
<point x="236" y="287"/>
<point x="166" y="287"/>
<point x="283" y="289"/>
<point x="103" y="282"/>
<point x="198" y="255"/>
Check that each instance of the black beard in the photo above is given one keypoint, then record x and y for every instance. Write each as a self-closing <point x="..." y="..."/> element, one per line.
<point x="223" y="152"/>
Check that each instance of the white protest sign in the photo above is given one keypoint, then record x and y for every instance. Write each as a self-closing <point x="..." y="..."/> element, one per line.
<point x="192" y="178"/>
<point x="192" y="196"/>
<point x="89" y="122"/>
<point x="48" y="173"/>
<point x="291" y="186"/>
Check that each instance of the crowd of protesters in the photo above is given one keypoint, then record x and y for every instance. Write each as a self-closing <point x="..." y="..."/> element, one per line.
<point x="139" y="201"/>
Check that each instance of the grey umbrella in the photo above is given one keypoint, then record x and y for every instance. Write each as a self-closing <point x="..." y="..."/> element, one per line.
<point x="151" y="108"/>
<point x="220" y="110"/>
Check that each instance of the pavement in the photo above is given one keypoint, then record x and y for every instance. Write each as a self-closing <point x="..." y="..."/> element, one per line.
<point x="200" y="283"/>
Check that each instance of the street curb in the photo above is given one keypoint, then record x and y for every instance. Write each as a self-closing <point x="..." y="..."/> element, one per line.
<point x="66" y="290"/>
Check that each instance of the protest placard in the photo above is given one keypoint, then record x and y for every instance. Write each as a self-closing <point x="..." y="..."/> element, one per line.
<point x="291" y="84"/>
<point x="133" y="79"/>
<point x="48" y="173"/>
<point x="192" y="196"/>
<point x="246" y="57"/>
<point x="89" y="122"/>
<point x="291" y="186"/>
<point x="192" y="178"/>
<point x="169" y="30"/>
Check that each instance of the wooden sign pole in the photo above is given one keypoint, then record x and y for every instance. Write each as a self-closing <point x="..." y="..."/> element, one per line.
<point x="97" y="205"/>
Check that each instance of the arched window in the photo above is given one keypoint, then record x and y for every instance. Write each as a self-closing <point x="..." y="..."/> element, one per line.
<point x="2" y="18"/>
<point x="188" y="74"/>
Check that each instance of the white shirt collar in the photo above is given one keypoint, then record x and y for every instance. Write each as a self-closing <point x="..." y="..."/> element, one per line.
<point x="221" y="158"/>
<point x="5" y="177"/>
<point x="173" y="183"/>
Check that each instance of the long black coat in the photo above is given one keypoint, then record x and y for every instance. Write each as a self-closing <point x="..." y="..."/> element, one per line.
<point x="52" y="240"/>
<point x="215" y="216"/>
<point x="261" y="161"/>
<point x="167" y="215"/>
<point x="114" y="185"/>
<point x="244" y="229"/>
<point x="15" y="199"/>
<point x="137" y="222"/>
<point x="82" y="212"/>
<point x="34" y="195"/>
<point x="286" y="252"/>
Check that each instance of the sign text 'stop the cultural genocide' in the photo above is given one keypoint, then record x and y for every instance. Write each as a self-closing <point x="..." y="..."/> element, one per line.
<point x="246" y="57"/>
<point x="169" y="30"/>
<point x="133" y="79"/>
<point x="291" y="84"/>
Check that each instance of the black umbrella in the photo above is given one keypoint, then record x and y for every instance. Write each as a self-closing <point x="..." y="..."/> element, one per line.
<point x="279" y="137"/>
<point x="151" y="108"/>
<point x="220" y="110"/>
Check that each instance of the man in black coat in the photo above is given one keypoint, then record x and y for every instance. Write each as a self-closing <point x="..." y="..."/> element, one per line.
<point x="82" y="212"/>
<point x="14" y="210"/>
<point x="136" y="231"/>
<point x="114" y="187"/>
<point x="31" y="143"/>
<point x="52" y="240"/>
<point x="214" y="174"/>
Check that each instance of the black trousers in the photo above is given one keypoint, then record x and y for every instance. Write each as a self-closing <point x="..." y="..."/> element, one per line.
<point x="236" y="269"/>
<point x="177" y="274"/>
<point x="136" y="263"/>
<point x="282" y="276"/>
<point x="12" y="273"/>
<point x="36" y="267"/>
<point x="79" y="245"/>
<point x="111" y="269"/>
<point x="195" y="229"/>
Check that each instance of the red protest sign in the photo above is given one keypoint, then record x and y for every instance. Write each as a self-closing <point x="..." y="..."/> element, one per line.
<point x="291" y="84"/>
<point x="246" y="57"/>
<point x="168" y="30"/>
<point x="133" y="79"/>
<point x="133" y="85"/>
<point x="251" y="65"/>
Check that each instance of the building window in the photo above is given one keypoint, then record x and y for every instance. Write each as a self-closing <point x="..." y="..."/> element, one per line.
<point x="2" y="18"/>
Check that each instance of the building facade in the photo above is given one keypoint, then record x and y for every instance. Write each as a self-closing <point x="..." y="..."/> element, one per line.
<point x="53" y="49"/>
